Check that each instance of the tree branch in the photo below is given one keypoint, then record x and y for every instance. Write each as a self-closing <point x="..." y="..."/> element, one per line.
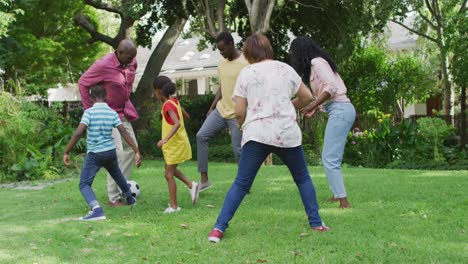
<point x="415" y="31"/>
<point x="209" y="18"/>
<point x="220" y="12"/>
<point x="425" y="18"/>
<point x="83" y="21"/>
<point x="462" y="7"/>
<point x="433" y="9"/>
<point x="301" y="4"/>
<point x="248" y="4"/>
<point x="98" y="4"/>
<point x="253" y="15"/>
<point x="266" y="21"/>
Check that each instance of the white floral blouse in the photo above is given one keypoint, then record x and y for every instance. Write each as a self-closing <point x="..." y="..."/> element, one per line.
<point x="271" y="118"/>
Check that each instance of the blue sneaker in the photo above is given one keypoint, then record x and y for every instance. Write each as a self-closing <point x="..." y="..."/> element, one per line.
<point x="131" y="200"/>
<point x="94" y="215"/>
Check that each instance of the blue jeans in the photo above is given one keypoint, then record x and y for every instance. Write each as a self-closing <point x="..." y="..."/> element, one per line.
<point x="340" y="119"/>
<point x="252" y="156"/>
<point x="92" y="164"/>
<point x="212" y="125"/>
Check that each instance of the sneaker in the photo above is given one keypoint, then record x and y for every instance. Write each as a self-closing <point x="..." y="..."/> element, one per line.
<point x="215" y="235"/>
<point x="194" y="191"/>
<point x="170" y="210"/>
<point x="322" y="228"/>
<point x="205" y="186"/>
<point x="94" y="215"/>
<point x="131" y="200"/>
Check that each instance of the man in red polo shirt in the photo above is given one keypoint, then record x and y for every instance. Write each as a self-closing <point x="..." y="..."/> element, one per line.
<point x="116" y="72"/>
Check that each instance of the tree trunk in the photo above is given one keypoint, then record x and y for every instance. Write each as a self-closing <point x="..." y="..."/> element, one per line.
<point x="155" y="63"/>
<point x="448" y="104"/>
<point x="463" y="134"/>
<point x="260" y="14"/>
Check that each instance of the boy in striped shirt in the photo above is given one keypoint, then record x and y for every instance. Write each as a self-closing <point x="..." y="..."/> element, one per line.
<point x="99" y="121"/>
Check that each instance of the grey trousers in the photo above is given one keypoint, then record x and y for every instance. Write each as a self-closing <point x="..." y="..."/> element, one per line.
<point x="212" y="125"/>
<point x="125" y="157"/>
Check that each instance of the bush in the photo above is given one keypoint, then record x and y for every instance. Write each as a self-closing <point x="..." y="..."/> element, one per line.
<point x="434" y="131"/>
<point x="32" y="139"/>
<point x="405" y="145"/>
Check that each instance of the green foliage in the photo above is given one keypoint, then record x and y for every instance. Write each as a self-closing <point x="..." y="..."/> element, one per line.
<point x="406" y="145"/>
<point x="31" y="140"/>
<point x="375" y="80"/>
<point x="434" y="130"/>
<point x="459" y="46"/>
<point x="44" y="47"/>
<point x="313" y="132"/>
<point x="7" y="16"/>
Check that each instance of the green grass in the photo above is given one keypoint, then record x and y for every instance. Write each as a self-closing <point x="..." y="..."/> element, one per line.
<point x="398" y="216"/>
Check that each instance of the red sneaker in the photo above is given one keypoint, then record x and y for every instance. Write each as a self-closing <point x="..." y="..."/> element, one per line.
<point x="322" y="228"/>
<point x="215" y="235"/>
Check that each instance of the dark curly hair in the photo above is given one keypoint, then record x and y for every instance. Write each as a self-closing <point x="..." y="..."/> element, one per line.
<point x="160" y="81"/>
<point x="225" y="37"/>
<point x="164" y="85"/>
<point x="303" y="49"/>
<point x="98" y="92"/>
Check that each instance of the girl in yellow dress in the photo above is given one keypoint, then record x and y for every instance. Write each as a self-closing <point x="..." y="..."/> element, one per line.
<point x="174" y="143"/>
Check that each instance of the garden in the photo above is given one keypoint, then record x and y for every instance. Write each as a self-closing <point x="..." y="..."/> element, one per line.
<point x="406" y="173"/>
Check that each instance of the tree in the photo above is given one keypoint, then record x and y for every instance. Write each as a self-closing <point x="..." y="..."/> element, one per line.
<point x="43" y="46"/>
<point x="232" y="15"/>
<point x="7" y="15"/>
<point x="378" y="81"/>
<point x="458" y="66"/>
<point x="337" y="25"/>
<point x="433" y="20"/>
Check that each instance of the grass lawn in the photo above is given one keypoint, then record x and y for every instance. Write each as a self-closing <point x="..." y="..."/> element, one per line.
<point x="398" y="216"/>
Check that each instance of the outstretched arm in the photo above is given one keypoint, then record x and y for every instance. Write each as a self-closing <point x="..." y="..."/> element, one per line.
<point x="130" y="142"/>
<point x="303" y="97"/>
<point x="91" y="77"/>
<point x="311" y="108"/>
<point x="184" y="113"/>
<point x="76" y="136"/>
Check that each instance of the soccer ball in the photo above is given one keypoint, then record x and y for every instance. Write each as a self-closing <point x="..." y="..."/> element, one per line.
<point x="134" y="188"/>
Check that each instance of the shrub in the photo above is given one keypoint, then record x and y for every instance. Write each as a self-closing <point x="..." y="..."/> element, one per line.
<point x="31" y="140"/>
<point x="434" y="131"/>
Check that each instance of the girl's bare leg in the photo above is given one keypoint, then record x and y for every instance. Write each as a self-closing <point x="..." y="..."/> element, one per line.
<point x="170" y="172"/>
<point x="183" y="178"/>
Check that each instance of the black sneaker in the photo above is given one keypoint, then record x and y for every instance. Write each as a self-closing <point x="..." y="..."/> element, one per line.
<point x="94" y="215"/>
<point x="131" y="200"/>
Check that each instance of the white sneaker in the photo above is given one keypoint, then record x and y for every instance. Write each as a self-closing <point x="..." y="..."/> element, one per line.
<point x="205" y="186"/>
<point x="194" y="192"/>
<point x="170" y="210"/>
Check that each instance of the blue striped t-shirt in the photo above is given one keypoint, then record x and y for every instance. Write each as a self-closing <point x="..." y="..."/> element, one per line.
<point x="100" y="120"/>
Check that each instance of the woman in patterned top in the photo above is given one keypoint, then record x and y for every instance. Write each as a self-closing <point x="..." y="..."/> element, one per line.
<point x="317" y="68"/>
<point x="267" y="116"/>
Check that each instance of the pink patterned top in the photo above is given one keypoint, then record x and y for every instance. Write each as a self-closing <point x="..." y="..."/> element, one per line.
<point x="271" y="118"/>
<point x="322" y="78"/>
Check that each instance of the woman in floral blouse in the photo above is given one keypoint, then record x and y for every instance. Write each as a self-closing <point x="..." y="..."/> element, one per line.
<point x="316" y="67"/>
<point x="267" y="117"/>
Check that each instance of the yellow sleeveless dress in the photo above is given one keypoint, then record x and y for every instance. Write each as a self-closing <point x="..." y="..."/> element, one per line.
<point x="177" y="149"/>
